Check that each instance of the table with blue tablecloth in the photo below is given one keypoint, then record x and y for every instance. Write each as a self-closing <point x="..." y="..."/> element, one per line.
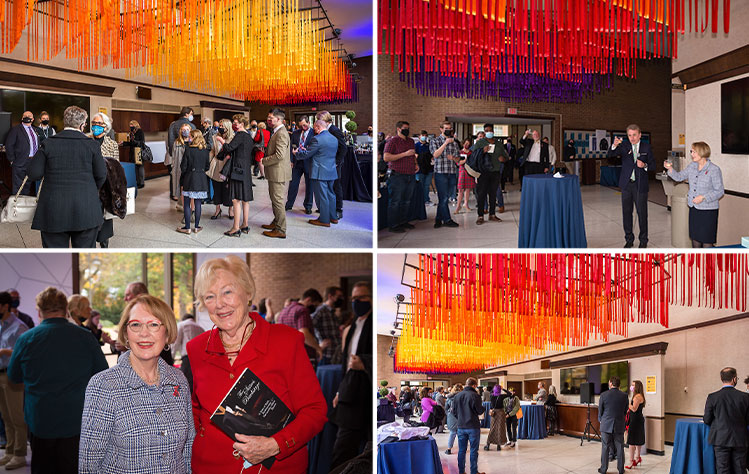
<point x="417" y="210"/>
<point x="321" y="446"/>
<point x="692" y="453"/>
<point x="551" y="213"/>
<point x="533" y="423"/>
<point x="409" y="457"/>
<point x="487" y="421"/>
<point x="385" y="410"/>
<point x="610" y="175"/>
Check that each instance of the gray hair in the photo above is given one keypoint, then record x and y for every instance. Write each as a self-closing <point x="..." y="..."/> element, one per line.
<point x="321" y="123"/>
<point x="74" y="117"/>
<point x="634" y="127"/>
<point x="207" y="119"/>
<point x="104" y="118"/>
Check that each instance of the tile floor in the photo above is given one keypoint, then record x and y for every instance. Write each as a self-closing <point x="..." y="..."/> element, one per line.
<point x="603" y="225"/>
<point x="154" y="223"/>
<point x="553" y="455"/>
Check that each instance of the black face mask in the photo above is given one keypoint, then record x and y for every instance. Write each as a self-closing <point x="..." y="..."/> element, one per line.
<point x="132" y="129"/>
<point x="27" y="120"/>
<point x="15" y="303"/>
<point x="221" y="130"/>
<point x="45" y="122"/>
<point x="405" y="132"/>
<point x="338" y="303"/>
<point x="361" y="307"/>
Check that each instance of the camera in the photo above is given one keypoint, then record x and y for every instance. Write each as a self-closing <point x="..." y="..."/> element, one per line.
<point x="449" y="133"/>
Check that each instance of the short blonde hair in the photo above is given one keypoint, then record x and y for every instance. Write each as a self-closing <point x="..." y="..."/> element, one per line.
<point x="51" y="299"/>
<point x="228" y="131"/>
<point x="76" y="303"/>
<point x="156" y="308"/>
<point x="262" y="125"/>
<point x="241" y="118"/>
<point x="324" y="115"/>
<point x="702" y="149"/>
<point x="234" y="265"/>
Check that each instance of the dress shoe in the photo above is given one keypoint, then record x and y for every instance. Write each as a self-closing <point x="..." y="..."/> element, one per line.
<point x="268" y="226"/>
<point x="236" y="233"/>
<point x="494" y="218"/>
<point x="334" y="221"/>
<point x="397" y="230"/>
<point x="308" y="211"/>
<point x="450" y="223"/>
<point x="182" y="230"/>
<point x="643" y="245"/>
<point x="406" y="225"/>
<point x="245" y="230"/>
<point x="437" y="224"/>
<point x="288" y="209"/>
<point x="501" y="209"/>
<point x="480" y="220"/>
<point x="275" y="234"/>
<point x="5" y="459"/>
<point x="340" y="215"/>
<point x="629" y="245"/>
<point x="486" y="448"/>
<point x="318" y="223"/>
<point x="15" y="463"/>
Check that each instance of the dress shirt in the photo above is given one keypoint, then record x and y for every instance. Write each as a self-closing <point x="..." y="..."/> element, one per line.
<point x="10" y="329"/>
<point x="277" y="128"/>
<point x="552" y="155"/>
<point x="535" y="154"/>
<point x="130" y="426"/>
<point x="358" y="325"/>
<point x="186" y="330"/>
<point x="443" y="164"/>
<point x="33" y="140"/>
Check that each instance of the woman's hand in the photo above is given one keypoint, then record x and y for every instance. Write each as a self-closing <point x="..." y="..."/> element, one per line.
<point x="256" y="449"/>
<point x="698" y="199"/>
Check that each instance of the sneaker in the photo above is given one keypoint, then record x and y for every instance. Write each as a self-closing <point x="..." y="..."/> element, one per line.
<point x="5" y="459"/>
<point x="15" y="463"/>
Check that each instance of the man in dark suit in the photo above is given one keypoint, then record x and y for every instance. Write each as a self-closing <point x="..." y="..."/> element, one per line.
<point x="339" y="157"/>
<point x="21" y="145"/>
<point x="536" y="154"/>
<point x="727" y="415"/>
<point x="612" y="408"/>
<point x="300" y="139"/>
<point x="637" y="159"/>
<point x="353" y="402"/>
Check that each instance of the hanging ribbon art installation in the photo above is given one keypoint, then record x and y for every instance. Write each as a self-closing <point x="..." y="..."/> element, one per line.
<point x="469" y="312"/>
<point x="440" y="45"/>
<point x="259" y="50"/>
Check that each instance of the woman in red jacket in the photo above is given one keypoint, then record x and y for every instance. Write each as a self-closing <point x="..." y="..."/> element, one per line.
<point x="274" y="353"/>
<point x="262" y="138"/>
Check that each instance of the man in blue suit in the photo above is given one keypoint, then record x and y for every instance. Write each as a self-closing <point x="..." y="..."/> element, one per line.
<point x="339" y="158"/>
<point x="322" y="152"/>
<point x="300" y="138"/>
<point x="637" y="159"/>
<point x="612" y="409"/>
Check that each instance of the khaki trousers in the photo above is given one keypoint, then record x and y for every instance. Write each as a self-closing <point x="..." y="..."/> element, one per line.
<point x="11" y="408"/>
<point x="277" y="191"/>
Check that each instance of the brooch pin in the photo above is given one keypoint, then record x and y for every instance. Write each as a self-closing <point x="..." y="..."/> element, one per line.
<point x="176" y="391"/>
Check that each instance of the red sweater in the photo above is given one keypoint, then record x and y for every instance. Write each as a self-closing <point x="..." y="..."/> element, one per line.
<point x="276" y="354"/>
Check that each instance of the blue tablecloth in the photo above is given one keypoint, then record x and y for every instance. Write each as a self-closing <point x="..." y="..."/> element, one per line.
<point x="385" y="411"/>
<point x="692" y="454"/>
<point x="551" y="213"/>
<point x="487" y="421"/>
<point x="409" y="457"/>
<point x="533" y="423"/>
<point x="321" y="446"/>
<point x="417" y="211"/>
<point x="610" y="175"/>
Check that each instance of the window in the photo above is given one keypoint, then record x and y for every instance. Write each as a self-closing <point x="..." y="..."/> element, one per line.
<point x="499" y="130"/>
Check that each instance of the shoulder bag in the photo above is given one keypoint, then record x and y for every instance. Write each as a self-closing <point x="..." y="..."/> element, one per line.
<point x="21" y="209"/>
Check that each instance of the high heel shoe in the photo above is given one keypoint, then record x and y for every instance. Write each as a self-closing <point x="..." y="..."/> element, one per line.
<point x="635" y="462"/>
<point x="216" y="216"/>
<point x="245" y="230"/>
<point x="236" y="233"/>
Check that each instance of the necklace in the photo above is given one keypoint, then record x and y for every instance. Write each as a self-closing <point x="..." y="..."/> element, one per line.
<point x="233" y="349"/>
<point x="149" y="381"/>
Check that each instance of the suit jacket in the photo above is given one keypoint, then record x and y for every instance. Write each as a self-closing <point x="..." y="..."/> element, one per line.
<point x="194" y="164"/>
<point x="17" y="144"/>
<point x="512" y="151"/>
<point x="240" y="148"/>
<point x="612" y="408"/>
<point x="73" y="171"/>
<point x="624" y="151"/>
<point x="528" y="144"/>
<point x="727" y="415"/>
<point x="276" y="159"/>
<point x="342" y="147"/>
<point x="295" y="138"/>
<point x="355" y="391"/>
<point x="275" y="353"/>
<point x="321" y="151"/>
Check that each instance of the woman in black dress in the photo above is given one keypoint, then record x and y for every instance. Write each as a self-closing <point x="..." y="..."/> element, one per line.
<point x="636" y="426"/>
<point x="238" y="171"/>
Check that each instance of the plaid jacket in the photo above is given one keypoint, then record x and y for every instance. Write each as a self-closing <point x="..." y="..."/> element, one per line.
<point x="129" y="426"/>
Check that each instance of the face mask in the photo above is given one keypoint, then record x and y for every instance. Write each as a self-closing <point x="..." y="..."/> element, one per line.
<point x="190" y="117"/>
<point x="15" y="303"/>
<point x="405" y="132"/>
<point x="26" y="120"/>
<point x="132" y="129"/>
<point x="361" y="307"/>
<point x="45" y="122"/>
<point x="221" y="130"/>
<point x="185" y="133"/>
<point x="254" y="127"/>
<point x="97" y="130"/>
<point x="423" y="139"/>
<point x="338" y="303"/>
<point x="489" y="134"/>
<point x="234" y="127"/>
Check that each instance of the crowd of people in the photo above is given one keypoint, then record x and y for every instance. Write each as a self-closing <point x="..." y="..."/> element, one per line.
<point x="80" y="193"/>
<point x="146" y="415"/>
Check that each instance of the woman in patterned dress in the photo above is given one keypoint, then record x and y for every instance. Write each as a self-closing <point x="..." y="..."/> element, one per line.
<point x="466" y="183"/>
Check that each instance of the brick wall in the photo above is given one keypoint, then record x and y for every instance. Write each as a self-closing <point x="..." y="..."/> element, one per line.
<point x="363" y="107"/>
<point x="645" y="101"/>
<point x="288" y="275"/>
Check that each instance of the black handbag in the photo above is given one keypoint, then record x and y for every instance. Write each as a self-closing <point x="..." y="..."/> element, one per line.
<point x="146" y="154"/>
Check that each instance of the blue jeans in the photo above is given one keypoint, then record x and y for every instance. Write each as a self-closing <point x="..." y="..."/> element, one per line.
<point x="425" y="180"/>
<point x="466" y="435"/>
<point x="325" y="198"/>
<point x="400" y="190"/>
<point x="451" y="439"/>
<point x="444" y="183"/>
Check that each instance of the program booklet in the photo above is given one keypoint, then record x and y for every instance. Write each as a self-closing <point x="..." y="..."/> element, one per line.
<point x="251" y="408"/>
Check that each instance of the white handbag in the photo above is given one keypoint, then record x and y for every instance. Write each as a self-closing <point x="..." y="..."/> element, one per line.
<point x="130" y="205"/>
<point x="21" y="209"/>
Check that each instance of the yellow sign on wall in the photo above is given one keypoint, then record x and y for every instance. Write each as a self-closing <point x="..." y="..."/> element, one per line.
<point x="102" y="110"/>
<point x="650" y="384"/>
<point x="681" y="139"/>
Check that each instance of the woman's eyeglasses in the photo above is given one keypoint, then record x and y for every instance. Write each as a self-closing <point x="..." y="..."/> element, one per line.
<point x="225" y="352"/>
<point x="137" y="326"/>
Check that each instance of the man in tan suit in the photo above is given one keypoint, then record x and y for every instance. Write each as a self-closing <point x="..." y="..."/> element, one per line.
<point x="278" y="172"/>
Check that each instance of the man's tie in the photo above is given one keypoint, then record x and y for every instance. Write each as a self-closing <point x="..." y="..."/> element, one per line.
<point x="635" y="155"/>
<point x="33" y="141"/>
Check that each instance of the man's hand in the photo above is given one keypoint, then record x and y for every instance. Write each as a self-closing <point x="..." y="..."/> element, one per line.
<point x="641" y="164"/>
<point x="335" y="401"/>
<point x="450" y="140"/>
<point x="408" y="153"/>
<point x="355" y="363"/>
<point x="546" y="170"/>
<point x="326" y="343"/>
<point x="617" y="142"/>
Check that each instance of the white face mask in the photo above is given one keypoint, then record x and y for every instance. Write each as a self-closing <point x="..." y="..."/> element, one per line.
<point x="190" y="117"/>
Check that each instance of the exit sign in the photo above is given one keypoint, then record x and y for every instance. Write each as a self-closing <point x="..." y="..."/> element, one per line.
<point x="512" y="111"/>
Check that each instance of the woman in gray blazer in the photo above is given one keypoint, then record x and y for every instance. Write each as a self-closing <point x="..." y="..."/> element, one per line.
<point x="705" y="189"/>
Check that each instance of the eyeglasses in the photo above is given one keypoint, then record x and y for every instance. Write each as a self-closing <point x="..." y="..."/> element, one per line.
<point x="225" y="352"/>
<point x="137" y="326"/>
<point x="98" y="123"/>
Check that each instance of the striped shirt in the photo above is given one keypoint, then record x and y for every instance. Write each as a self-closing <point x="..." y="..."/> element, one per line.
<point x="707" y="182"/>
<point x="443" y="164"/>
<point x="129" y="426"/>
